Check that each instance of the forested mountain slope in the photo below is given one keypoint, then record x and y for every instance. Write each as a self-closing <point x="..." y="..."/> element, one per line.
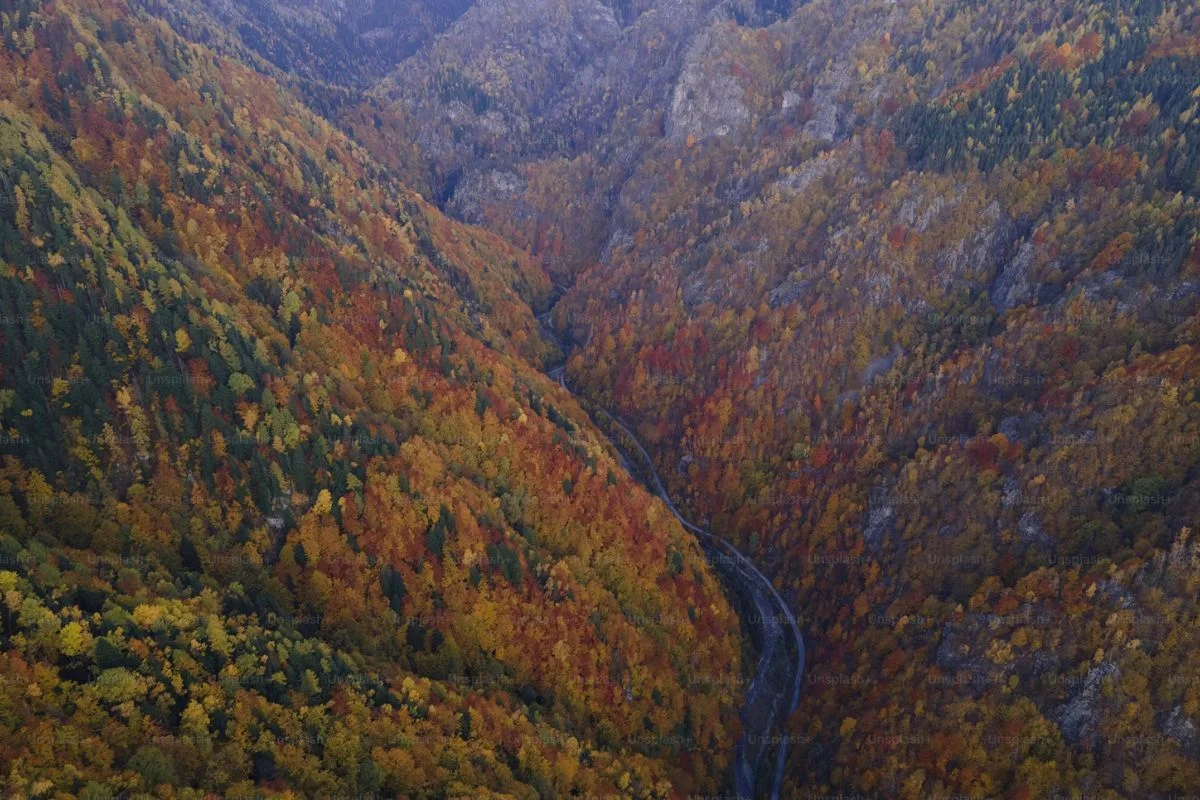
<point x="904" y="295"/>
<point x="287" y="507"/>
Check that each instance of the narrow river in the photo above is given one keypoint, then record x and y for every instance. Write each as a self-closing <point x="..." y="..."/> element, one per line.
<point x="774" y="692"/>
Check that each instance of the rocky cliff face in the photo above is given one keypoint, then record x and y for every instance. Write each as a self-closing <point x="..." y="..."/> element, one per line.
<point x="496" y="70"/>
<point x="582" y="90"/>
<point x="708" y="99"/>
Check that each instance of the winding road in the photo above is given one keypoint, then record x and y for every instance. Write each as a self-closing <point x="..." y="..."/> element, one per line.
<point x="774" y="693"/>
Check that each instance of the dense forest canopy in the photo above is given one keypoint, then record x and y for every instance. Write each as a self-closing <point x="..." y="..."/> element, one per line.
<point x="900" y="295"/>
<point x="286" y="502"/>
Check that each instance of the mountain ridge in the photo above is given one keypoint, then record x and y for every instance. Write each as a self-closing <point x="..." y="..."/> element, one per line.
<point x="287" y="505"/>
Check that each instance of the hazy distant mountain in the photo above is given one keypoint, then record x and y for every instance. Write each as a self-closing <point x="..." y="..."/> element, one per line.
<point x="334" y="41"/>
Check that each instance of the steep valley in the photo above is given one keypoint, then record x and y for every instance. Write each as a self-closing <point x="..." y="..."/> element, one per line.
<point x="900" y="299"/>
